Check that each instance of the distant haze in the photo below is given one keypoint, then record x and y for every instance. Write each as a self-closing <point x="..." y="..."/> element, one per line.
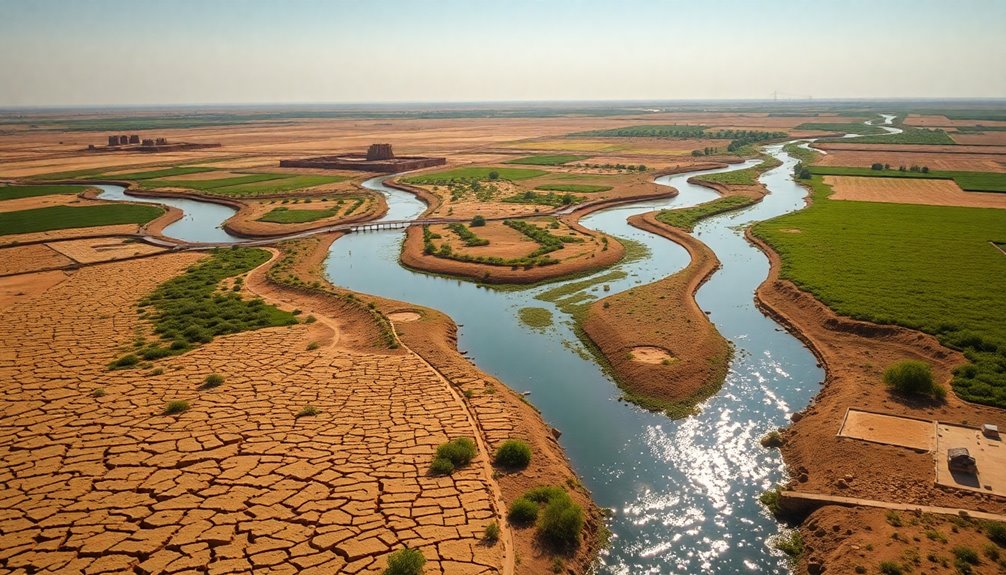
<point x="140" y="52"/>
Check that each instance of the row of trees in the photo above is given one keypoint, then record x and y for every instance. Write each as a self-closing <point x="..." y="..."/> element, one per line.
<point x="918" y="169"/>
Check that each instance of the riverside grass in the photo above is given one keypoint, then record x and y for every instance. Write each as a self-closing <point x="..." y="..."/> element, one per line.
<point x="475" y="173"/>
<point x="287" y="216"/>
<point x="65" y="217"/>
<point x="687" y="218"/>
<point x="18" y="192"/>
<point x="931" y="268"/>
<point x="545" y="160"/>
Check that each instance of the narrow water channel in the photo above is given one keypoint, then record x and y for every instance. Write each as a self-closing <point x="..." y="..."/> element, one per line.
<point x="683" y="493"/>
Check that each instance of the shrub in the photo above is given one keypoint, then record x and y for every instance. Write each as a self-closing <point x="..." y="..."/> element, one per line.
<point x="441" y="466"/>
<point x="478" y="221"/>
<point x="99" y="392"/>
<point x="459" y="451"/>
<point x="523" y="511"/>
<point x="513" y="454"/>
<point x="561" y="522"/>
<point x="770" y="499"/>
<point x="966" y="555"/>
<point x="212" y="380"/>
<point x="312" y="346"/>
<point x="545" y="494"/>
<point x="308" y="411"/>
<point x="996" y="531"/>
<point x="405" y="561"/>
<point x="791" y="543"/>
<point x="125" y="361"/>
<point x="890" y="568"/>
<point x="772" y="439"/>
<point x="175" y="407"/>
<point x="492" y="533"/>
<point x="913" y="378"/>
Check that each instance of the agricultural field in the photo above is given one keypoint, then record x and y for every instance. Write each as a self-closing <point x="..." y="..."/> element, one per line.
<point x="578" y="188"/>
<point x="18" y="192"/>
<point x="544" y="160"/>
<point x="875" y="261"/>
<point x="66" y="217"/>
<point x="283" y="215"/>
<point x="908" y="136"/>
<point x="968" y="181"/>
<point x="842" y="127"/>
<point x="475" y="173"/>
<point x="928" y="192"/>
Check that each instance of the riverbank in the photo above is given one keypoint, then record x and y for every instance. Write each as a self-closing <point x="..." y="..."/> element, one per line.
<point x="499" y="412"/>
<point x="855" y="354"/>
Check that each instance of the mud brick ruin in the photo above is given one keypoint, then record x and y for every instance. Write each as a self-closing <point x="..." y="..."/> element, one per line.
<point x="379" y="158"/>
<point x="133" y="143"/>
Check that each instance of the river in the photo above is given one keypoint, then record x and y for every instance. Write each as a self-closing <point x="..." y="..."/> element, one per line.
<point x="683" y="492"/>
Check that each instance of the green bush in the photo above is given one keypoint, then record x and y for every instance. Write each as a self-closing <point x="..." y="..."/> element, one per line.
<point x="913" y="378"/>
<point x="513" y="454"/>
<point x="492" y="533"/>
<point x="478" y="221"/>
<point x="459" y="451"/>
<point x="996" y="531"/>
<point x="966" y="555"/>
<point x="441" y="466"/>
<point x="791" y="544"/>
<point x="545" y="494"/>
<point x="308" y="411"/>
<point x="175" y="407"/>
<point x="523" y="511"/>
<point x="890" y="568"/>
<point x="405" y="562"/>
<point x="212" y="380"/>
<point x="125" y="361"/>
<point x="561" y="522"/>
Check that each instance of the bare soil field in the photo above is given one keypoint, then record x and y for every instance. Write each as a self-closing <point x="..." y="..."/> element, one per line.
<point x="94" y="250"/>
<point x="41" y="202"/>
<point x="910" y="191"/>
<point x="997" y="138"/>
<point x="237" y="483"/>
<point x="879" y="428"/>
<point x="935" y="161"/>
<point x="14" y="260"/>
<point x="928" y="149"/>
<point x="989" y="454"/>
<point x="934" y="121"/>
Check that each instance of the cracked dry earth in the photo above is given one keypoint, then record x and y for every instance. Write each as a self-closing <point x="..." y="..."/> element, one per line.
<point x="237" y="483"/>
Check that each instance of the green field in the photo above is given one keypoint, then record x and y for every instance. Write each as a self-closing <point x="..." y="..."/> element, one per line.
<point x="648" y="131"/>
<point x="247" y="185"/>
<point x="550" y="199"/>
<point x="909" y="136"/>
<point x="686" y="218"/>
<point x="580" y="188"/>
<point x="930" y="268"/>
<point x="64" y="217"/>
<point x="846" y="128"/>
<point x="547" y="160"/>
<point x="154" y="174"/>
<point x="17" y="192"/>
<point x="288" y="216"/>
<point x="745" y="177"/>
<point x="479" y="173"/>
<point x="968" y="181"/>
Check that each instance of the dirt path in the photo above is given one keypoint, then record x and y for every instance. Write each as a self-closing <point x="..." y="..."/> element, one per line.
<point x="820" y="499"/>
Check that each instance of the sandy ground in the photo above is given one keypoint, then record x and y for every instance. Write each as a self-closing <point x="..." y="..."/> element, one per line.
<point x="845" y="540"/>
<point x="662" y="315"/>
<point x="989" y="454"/>
<point x="22" y="288"/>
<point x="650" y="354"/>
<point x="879" y="428"/>
<point x="236" y="483"/>
<point x="910" y="191"/>
<point x="404" y="316"/>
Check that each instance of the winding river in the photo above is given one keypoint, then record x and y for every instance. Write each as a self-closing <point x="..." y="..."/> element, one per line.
<point x="683" y="493"/>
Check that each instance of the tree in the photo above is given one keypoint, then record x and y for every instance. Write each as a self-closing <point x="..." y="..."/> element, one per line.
<point x="877" y="167"/>
<point x="925" y="169"/>
<point x="494" y="175"/>
<point x="887" y="166"/>
<point x="478" y="221"/>
<point x="696" y="153"/>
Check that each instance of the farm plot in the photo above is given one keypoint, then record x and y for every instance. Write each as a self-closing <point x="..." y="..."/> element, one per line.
<point x="911" y="191"/>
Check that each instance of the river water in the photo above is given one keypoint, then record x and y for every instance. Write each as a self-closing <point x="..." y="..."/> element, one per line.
<point x="683" y="492"/>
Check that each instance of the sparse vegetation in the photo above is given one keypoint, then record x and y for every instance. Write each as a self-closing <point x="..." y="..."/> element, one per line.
<point x="474" y="173"/>
<point x="536" y="317"/>
<point x="577" y="188"/>
<point x="308" y="411"/>
<point x="212" y="380"/>
<point x="492" y="533"/>
<point x="687" y="218"/>
<point x="791" y="543"/>
<point x="457" y="452"/>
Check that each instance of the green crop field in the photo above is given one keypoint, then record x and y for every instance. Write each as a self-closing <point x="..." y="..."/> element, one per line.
<point x="931" y="268"/>
<point x="968" y="181"/>
<point x="846" y="128"/>
<point x="17" y="192"/>
<point x="651" y="131"/>
<point x="64" y="217"/>
<point x="745" y="177"/>
<point x="580" y="188"/>
<point x="288" y="216"/>
<point x="479" y="173"/>
<point x="154" y="174"/>
<point x="207" y="185"/>
<point x="557" y="160"/>
<point x="909" y="136"/>
<point x="686" y="218"/>
<point x="278" y="185"/>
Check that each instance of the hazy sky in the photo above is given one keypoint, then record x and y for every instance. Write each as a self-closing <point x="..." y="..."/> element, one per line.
<point x="258" y="51"/>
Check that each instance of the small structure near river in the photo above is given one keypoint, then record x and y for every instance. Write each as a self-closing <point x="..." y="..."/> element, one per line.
<point x="379" y="158"/>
